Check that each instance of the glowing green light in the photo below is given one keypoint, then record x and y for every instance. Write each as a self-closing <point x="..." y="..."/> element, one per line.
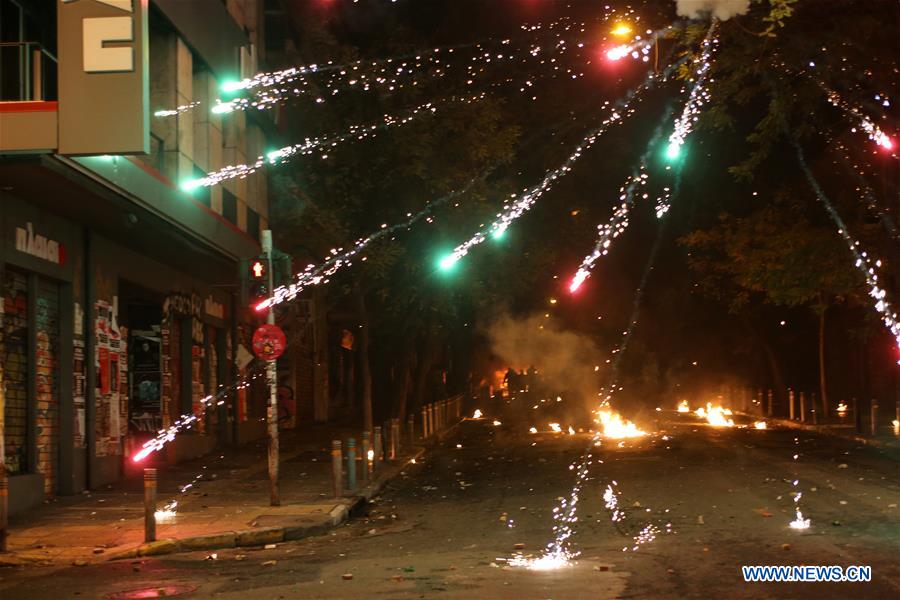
<point x="274" y="155"/>
<point x="448" y="262"/>
<point x="673" y="150"/>
<point x="233" y="86"/>
<point x="499" y="233"/>
<point x="190" y="185"/>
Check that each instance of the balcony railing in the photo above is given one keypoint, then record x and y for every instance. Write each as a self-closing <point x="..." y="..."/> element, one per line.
<point x="27" y="72"/>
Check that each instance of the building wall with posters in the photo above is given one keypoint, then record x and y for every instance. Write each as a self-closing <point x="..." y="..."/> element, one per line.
<point x="120" y="298"/>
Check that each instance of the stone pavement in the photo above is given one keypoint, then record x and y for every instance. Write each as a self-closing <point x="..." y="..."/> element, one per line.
<point x="225" y="504"/>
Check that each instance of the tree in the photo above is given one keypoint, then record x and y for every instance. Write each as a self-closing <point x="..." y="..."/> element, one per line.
<point x="776" y="255"/>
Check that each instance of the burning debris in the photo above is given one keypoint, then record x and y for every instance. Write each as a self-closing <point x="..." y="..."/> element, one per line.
<point x="716" y="415"/>
<point x="615" y="427"/>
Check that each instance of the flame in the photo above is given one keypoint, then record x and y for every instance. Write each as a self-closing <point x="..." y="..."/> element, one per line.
<point x="615" y="427"/>
<point x="572" y="431"/>
<point x="760" y="425"/>
<point x="370" y="455"/>
<point x="716" y="415"/>
<point x="842" y="408"/>
<point x="532" y="430"/>
<point x="497" y="423"/>
<point x="555" y="427"/>
<point x="683" y="407"/>
<point x="477" y="414"/>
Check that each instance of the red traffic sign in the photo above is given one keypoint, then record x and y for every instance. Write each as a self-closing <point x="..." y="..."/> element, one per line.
<point x="269" y="342"/>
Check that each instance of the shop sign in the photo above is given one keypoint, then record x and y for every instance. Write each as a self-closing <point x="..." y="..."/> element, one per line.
<point x="39" y="246"/>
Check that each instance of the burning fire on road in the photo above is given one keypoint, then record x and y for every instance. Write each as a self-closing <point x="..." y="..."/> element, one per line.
<point x="617" y="428"/>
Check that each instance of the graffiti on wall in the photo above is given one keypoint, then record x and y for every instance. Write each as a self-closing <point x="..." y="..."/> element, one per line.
<point x="111" y="365"/>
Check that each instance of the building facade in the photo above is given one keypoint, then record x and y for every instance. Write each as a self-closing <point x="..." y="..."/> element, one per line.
<point x="120" y="299"/>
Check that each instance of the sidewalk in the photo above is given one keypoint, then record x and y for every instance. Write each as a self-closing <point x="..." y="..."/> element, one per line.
<point x="885" y="439"/>
<point x="226" y="505"/>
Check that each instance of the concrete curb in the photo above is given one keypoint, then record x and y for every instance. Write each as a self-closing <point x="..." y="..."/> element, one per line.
<point x="261" y="536"/>
<point x="822" y="430"/>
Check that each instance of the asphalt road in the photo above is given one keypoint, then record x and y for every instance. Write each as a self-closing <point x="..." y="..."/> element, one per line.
<point x="442" y="530"/>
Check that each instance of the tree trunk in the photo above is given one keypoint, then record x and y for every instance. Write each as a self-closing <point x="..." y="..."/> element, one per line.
<point x="822" y="379"/>
<point x="365" y="371"/>
<point x="401" y="382"/>
<point x="423" y="368"/>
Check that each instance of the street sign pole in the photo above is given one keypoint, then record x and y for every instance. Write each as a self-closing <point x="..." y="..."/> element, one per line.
<point x="272" y="380"/>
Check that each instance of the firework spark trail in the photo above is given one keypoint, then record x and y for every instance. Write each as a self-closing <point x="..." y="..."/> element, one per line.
<point x="558" y="552"/>
<point x="866" y="193"/>
<point x="340" y="258"/>
<point x="873" y="131"/>
<point x="187" y="421"/>
<point x="354" y="132"/>
<point x="619" y="221"/>
<point x="699" y="94"/>
<point x="512" y="210"/>
<point x="274" y="87"/>
<point x="636" y="310"/>
<point x="864" y="263"/>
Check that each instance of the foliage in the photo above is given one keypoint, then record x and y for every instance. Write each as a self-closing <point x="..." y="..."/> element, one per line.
<point x="776" y="254"/>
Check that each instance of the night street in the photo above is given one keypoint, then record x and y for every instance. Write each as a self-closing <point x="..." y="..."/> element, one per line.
<point x="449" y="298"/>
<point x="444" y="527"/>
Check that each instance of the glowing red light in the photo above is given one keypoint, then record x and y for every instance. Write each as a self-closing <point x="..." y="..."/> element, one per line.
<point x="144" y="453"/>
<point x="887" y="143"/>
<point x="617" y="53"/>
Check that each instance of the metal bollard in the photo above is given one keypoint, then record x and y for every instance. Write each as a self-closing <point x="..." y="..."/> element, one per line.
<point x="429" y="417"/>
<point x="351" y="465"/>
<point x="802" y="407"/>
<point x="337" y="471"/>
<point x="771" y="399"/>
<point x="149" y="505"/>
<point x="424" y="423"/>
<point x="791" y="404"/>
<point x="366" y="449"/>
<point x="874" y="417"/>
<point x="856" y="416"/>
<point x="411" y="430"/>
<point x="378" y="450"/>
<point x="395" y="438"/>
<point x="814" y="415"/>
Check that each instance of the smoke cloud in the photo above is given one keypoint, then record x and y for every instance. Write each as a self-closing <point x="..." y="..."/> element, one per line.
<point x="564" y="360"/>
<point x="721" y="9"/>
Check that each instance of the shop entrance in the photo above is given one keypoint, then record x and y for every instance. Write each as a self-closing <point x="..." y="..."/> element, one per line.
<point x="142" y="314"/>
